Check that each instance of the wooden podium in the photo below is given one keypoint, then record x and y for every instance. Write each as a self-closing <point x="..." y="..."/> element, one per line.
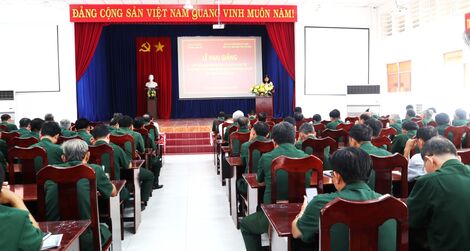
<point x="152" y="105"/>
<point x="265" y="104"/>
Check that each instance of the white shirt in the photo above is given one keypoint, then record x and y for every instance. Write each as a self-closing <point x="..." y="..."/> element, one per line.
<point x="415" y="167"/>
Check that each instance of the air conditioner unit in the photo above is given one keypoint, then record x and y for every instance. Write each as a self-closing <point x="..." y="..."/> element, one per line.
<point x="361" y="98"/>
<point x="8" y="103"/>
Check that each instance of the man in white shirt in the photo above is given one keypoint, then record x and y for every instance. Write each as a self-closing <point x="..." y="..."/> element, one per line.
<point x="415" y="163"/>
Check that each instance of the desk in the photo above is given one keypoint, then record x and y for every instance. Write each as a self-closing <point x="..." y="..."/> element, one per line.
<point x="280" y="217"/>
<point x="236" y="165"/>
<point x="27" y="192"/>
<point x="71" y="230"/>
<point x="132" y="177"/>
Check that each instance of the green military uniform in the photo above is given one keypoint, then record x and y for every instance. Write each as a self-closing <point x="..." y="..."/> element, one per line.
<point x="85" y="135"/>
<point x="244" y="155"/>
<point x="68" y="133"/>
<point x="439" y="204"/>
<point x="459" y="122"/>
<point x="333" y="124"/>
<point x="426" y="121"/>
<point x="309" y="223"/>
<point x="256" y="224"/>
<point x="18" y="233"/>
<point x="23" y="132"/>
<point x="10" y="127"/>
<point x="156" y="161"/>
<point x="406" y="120"/>
<point x="441" y="129"/>
<point x="236" y="149"/>
<point x="104" y="187"/>
<point x="33" y="134"/>
<point x="397" y="126"/>
<point x="155" y="133"/>
<point x="309" y="151"/>
<point x="138" y="140"/>
<point x="3" y="148"/>
<point x="216" y="122"/>
<point x="371" y="149"/>
<point x="399" y="142"/>
<point x="54" y="153"/>
<point x="111" y="128"/>
<point x="227" y="130"/>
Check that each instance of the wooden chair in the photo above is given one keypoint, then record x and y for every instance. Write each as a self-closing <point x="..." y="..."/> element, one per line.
<point x="277" y="120"/>
<point x="336" y="135"/>
<point x="101" y="155"/>
<point x="145" y="134"/>
<point x="325" y="122"/>
<point x="24" y="142"/>
<point x="381" y="141"/>
<point x="363" y="219"/>
<point x="3" y="128"/>
<point x="385" y="122"/>
<point x="465" y="156"/>
<point x="319" y="145"/>
<point x="387" y="132"/>
<point x="383" y="167"/>
<point x="237" y="138"/>
<point x="351" y="120"/>
<point x="253" y="121"/>
<point x="232" y="130"/>
<point x="62" y="139"/>
<point x="26" y="163"/>
<point x="420" y="123"/>
<point x="271" y="124"/>
<point x="126" y="142"/>
<point x="416" y="119"/>
<point x="296" y="171"/>
<point x="345" y="127"/>
<point x="458" y="133"/>
<point x="261" y="147"/>
<point x="66" y="179"/>
<point x="9" y="136"/>
<point x="153" y="130"/>
<point x="319" y="128"/>
<point x="432" y="123"/>
<point x="224" y="125"/>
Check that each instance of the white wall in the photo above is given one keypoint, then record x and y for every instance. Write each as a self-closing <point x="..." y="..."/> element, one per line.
<point x="63" y="103"/>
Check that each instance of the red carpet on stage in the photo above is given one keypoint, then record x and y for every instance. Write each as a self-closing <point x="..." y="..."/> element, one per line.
<point x="186" y="136"/>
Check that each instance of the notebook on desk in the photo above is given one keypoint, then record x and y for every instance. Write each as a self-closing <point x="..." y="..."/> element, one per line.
<point x="51" y="241"/>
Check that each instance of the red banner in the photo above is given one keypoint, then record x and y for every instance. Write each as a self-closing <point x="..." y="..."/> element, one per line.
<point x="467" y="22"/>
<point x="177" y="14"/>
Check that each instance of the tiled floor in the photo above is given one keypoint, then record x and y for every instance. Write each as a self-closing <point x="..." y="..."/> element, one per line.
<point x="190" y="213"/>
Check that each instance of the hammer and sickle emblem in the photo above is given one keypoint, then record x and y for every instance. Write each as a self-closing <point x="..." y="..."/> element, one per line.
<point x="145" y="47"/>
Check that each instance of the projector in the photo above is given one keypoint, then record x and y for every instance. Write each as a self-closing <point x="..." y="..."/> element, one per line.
<point x="218" y="26"/>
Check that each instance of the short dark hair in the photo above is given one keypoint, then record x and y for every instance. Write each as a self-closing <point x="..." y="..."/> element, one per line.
<point x="410" y="113"/>
<point x="49" y="117"/>
<point x="432" y="109"/>
<point x="426" y="133"/>
<point x="353" y="164"/>
<point x="461" y="113"/>
<point x="335" y="114"/>
<point x="410" y="125"/>
<point x="25" y="122"/>
<point x="262" y="116"/>
<point x="50" y="128"/>
<point x="442" y="119"/>
<point x="298" y="116"/>
<point x="360" y="133"/>
<point x="36" y="124"/>
<point x="409" y="107"/>
<point x="100" y="131"/>
<point x="221" y="114"/>
<point x="147" y="117"/>
<point x="306" y="128"/>
<point x="139" y="122"/>
<point x="5" y="117"/>
<point x="283" y="132"/>
<point x="261" y="128"/>
<point x="115" y="119"/>
<point x="316" y="118"/>
<point x="364" y="116"/>
<point x="438" y="145"/>
<point x="290" y="120"/>
<point x="298" y="109"/>
<point x="376" y="126"/>
<point x="243" y="121"/>
<point x="125" y="121"/>
<point x="82" y="123"/>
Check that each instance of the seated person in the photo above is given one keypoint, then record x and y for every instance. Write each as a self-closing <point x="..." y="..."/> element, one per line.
<point x="76" y="153"/>
<point x="83" y="128"/>
<point x="363" y="118"/>
<point x="351" y="169"/>
<point x="65" y="128"/>
<point x="8" y="122"/>
<point x="149" y="120"/>
<point x="25" y="128"/>
<point x="113" y="123"/>
<point x="442" y="121"/>
<point x="439" y="203"/>
<point x="460" y="118"/>
<point x="360" y="137"/>
<point x="126" y="127"/>
<point x="316" y="119"/>
<point x="298" y="116"/>
<point x="242" y="123"/>
<point x="290" y="120"/>
<point x="376" y="126"/>
<point x="49" y="117"/>
<point x="237" y="114"/>
<point x="252" y="115"/>
<point x="220" y="119"/>
<point x="262" y="117"/>
<point x="409" y="107"/>
<point x="415" y="163"/>
<point x="395" y="122"/>
<point x="36" y="125"/>
<point x="19" y="229"/>
<point x="410" y="114"/>
<point x="305" y="131"/>
<point x="255" y="224"/>
<point x="427" y="116"/>
<point x="335" y="119"/>
<point x="408" y="131"/>
<point x="50" y="132"/>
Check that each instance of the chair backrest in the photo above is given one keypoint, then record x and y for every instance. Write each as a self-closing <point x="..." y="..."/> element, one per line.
<point x="385" y="122"/>
<point x="325" y="122"/>
<point x="66" y="179"/>
<point x="465" y="156"/>
<point x="24" y="142"/>
<point x="458" y="132"/>
<point x="224" y="125"/>
<point x="319" y="145"/>
<point x="381" y="141"/>
<point x="277" y="120"/>
<point x="388" y="131"/>
<point x="145" y="134"/>
<point x="236" y="141"/>
<point x="153" y="130"/>
<point x="345" y="127"/>
<point x="383" y="167"/>
<point x="297" y="169"/>
<point x="319" y="128"/>
<point x="3" y="128"/>
<point x="126" y="142"/>
<point x="416" y="119"/>
<point x="232" y="130"/>
<point x="9" y="136"/>
<point x="351" y="120"/>
<point x="103" y="155"/>
<point x="253" y="121"/>
<point x="432" y="123"/>
<point x="26" y="159"/>
<point x="363" y="219"/>
<point x="261" y="147"/>
<point x="419" y="123"/>
<point x="62" y="139"/>
<point x="336" y="135"/>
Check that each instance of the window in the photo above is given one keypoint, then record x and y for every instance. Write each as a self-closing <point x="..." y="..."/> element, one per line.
<point x="399" y="76"/>
<point x="456" y="73"/>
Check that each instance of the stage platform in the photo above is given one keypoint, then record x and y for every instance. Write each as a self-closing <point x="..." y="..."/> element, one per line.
<point x="186" y="136"/>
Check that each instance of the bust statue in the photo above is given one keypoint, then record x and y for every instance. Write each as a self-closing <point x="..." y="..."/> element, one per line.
<point x="151" y="84"/>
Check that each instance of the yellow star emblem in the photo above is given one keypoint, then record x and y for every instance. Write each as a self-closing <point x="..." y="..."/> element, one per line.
<point x="159" y="46"/>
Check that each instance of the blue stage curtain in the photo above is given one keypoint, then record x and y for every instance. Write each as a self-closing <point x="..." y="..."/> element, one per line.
<point x="120" y="66"/>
